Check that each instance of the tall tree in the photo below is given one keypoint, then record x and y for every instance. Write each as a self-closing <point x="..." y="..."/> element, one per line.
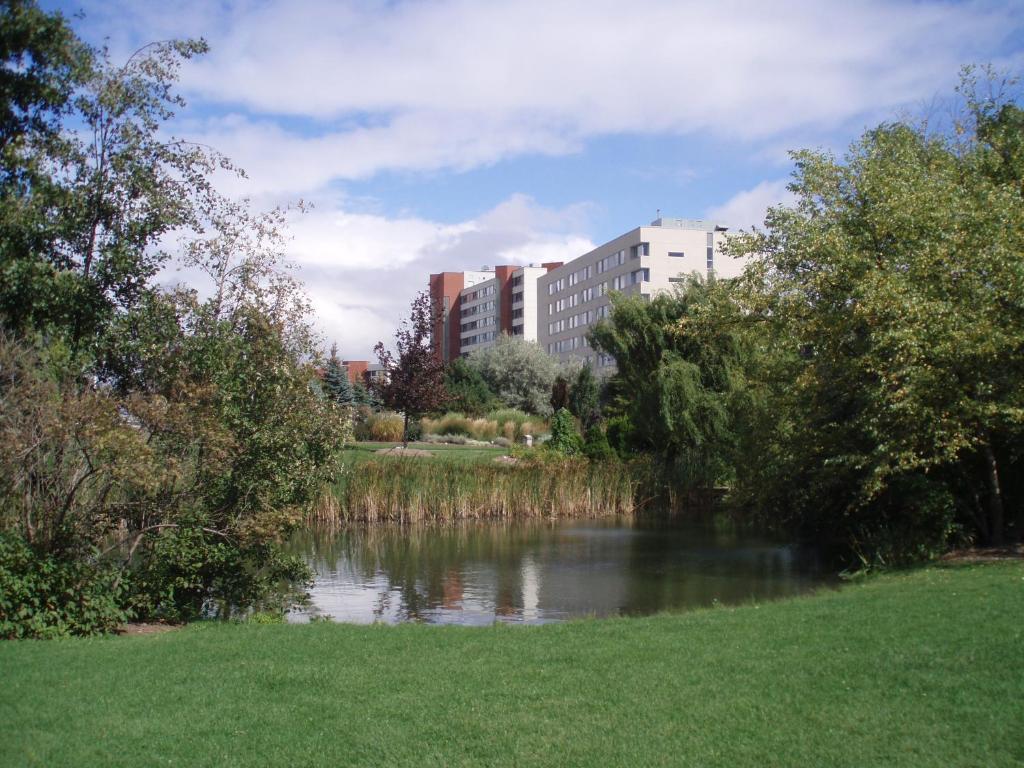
<point x="413" y="381"/>
<point x="896" y="282"/>
<point x="339" y="388"/>
<point x="584" y="399"/>
<point x="683" y="358"/>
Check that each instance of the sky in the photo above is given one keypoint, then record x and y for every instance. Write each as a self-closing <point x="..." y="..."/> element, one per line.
<point x="443" y="135"/>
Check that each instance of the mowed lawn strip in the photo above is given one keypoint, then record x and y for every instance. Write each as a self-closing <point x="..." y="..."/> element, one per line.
<point x="923" y="668"/>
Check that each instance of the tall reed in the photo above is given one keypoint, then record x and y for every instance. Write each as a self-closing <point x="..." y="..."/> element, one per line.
<point x="410" y="490"/>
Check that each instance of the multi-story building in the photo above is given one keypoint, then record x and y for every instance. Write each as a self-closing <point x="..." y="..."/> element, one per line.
<point x="642" y="262"/>
<point x="474" y="308"/>
<point x="363" y="371"/>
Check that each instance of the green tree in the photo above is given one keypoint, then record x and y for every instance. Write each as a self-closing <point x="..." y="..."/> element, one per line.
<point x="162" y="442"/>
<point x="565" y="437"/>
<point x="584" y="399"/>
<point x="339" y="388"/>
<point x="467" y="391"/>
<point x="519" y="372"/>
<point x="682" y="358"/>
<point x="893" y="294"/>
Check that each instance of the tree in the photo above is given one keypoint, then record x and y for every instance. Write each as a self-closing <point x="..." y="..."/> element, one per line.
<point x="467" y="391"/>
<point x="584" y="399"/>
<point x="85" y="208"/>
<point x="162" y="442"/>
<point x="339" y="388"/>
<point x="519" y="372"/>
<point x="414" y="380"/>
<point x="892" y="291"/>
<point x="565" y="437"/>
<point x="682" y="358"/>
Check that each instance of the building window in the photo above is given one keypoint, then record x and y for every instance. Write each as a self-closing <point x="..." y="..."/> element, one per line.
<point x="676" y="254"/>
<point x="640" y="249"/>
<point x="640" y="276"/>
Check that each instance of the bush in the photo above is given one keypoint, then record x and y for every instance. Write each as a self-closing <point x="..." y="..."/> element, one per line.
<point x="44" y="596"/>
<point x="619" y="434"/>
<point x="565" y="437"/>
<point x="502" y="442"/>
<point x="595" y="445"/>
<point x="185" y="566"/>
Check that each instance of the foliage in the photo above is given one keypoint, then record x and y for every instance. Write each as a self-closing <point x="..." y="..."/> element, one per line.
<point x="43" y="595"/>
<point x="152" y="431"/>
<point x="414" y="380"/>
<point x="88" y="201"/>
<point x="559" y="394"/>
<point x="683" y="358"/>
<point x="565" y="437"/>
<point x="584" y="401"/>
<point x="893" y="292"/>
<point x="466" y="388"/>
<point x="596" y="446"/>
<point x="519" y="372"/>
<point x="336" y="381"/>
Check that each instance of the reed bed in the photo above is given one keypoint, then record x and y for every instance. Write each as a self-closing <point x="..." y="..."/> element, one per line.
<point x="408" y="490"/>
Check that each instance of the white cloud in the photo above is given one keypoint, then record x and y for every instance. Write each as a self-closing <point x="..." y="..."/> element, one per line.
<point x="362" y="270"/>
<point x="747" y="209"/>
<point x="459" y="83"/>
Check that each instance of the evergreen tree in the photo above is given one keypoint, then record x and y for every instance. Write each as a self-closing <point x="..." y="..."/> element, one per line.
<point x="339" y="388"/>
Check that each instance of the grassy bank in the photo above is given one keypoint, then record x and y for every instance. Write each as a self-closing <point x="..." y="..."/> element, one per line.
<point x="916" y="669"/>
<point x="466" y="483"/>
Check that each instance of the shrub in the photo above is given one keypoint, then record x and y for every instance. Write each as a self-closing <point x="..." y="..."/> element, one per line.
<point x="565" y="437"/>
<point x="502" y="442"/>
<point x="43" y="596"/>
<point x="595" y="445"/>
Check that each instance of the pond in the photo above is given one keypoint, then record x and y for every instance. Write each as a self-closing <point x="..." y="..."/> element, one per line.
<point x="541" y="571"/>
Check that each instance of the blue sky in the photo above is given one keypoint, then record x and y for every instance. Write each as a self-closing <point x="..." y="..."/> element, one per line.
<point x="447" y="134"/>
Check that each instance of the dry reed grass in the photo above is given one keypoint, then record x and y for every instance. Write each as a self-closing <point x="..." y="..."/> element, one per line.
<point x="409" y="490"/>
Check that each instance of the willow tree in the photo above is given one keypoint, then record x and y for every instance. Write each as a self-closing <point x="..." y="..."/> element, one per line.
<point x="681" y="359"/>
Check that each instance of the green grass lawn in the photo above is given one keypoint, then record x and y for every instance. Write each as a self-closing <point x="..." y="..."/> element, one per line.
<point x="924" y="668"/>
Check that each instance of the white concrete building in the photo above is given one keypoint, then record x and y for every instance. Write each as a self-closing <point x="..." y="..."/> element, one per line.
<point x="645" y="261"/>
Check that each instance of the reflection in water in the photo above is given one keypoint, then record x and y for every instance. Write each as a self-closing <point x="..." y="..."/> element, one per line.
<point x="539" y="571"/>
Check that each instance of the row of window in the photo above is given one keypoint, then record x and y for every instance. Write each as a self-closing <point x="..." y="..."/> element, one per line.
<point x="487" y="306"/>
<point x="567" y="345"/>
<point x="578" y="320"/>
<point x="483" y="322"/>
<point x="480" y="293"/>
<point x="617" y="283"/>
<point x="616" y="259"/>
<point x="480" y="338"/>
<point x="517" y="297"/>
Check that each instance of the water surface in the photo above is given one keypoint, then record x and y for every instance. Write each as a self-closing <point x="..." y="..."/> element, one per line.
<point x="540" y="571"/>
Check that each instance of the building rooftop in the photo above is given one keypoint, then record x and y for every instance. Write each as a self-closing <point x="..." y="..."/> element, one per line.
<point x="701" y="225"/>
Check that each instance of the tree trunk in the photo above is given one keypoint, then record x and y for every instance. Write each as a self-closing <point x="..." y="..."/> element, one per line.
<point x="405" y="431"/>
<point x="995" y="500"/>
